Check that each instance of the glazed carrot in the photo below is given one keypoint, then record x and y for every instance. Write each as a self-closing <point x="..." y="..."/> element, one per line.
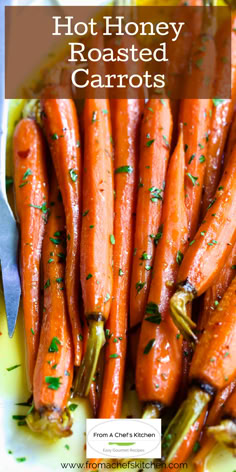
<point x="231" y="141"/>
<point x="213" y="368"/>
<point x="222" y="113"/>
<point x="214" y="293"/>
<point x="31" y="191"/>
<point x="97" y="237"/>
<point x="62" y="130"/>
<point x="159" y="360"/>
<point x="156" y="132"/>
<point x="190" y="441"/>
<point x="53" y="372"/>
<point x="208" y="251"/>
<point x="126" y="120"/>
<point x="195" y="114"/>
<point x="208" y="442"/>
<point x="225" y="432"/>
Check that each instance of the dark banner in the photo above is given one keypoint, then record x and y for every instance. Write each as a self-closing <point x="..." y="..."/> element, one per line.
<point x="120" y="52"/>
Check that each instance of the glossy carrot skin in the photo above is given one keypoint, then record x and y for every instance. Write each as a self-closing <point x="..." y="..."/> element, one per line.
<point x="214" y="293"/>
<point x="62" y="130"/>
<point x="213" y="361"/>
<point x="158" y="372"/>
<point x="231" y="141"/>
<point x="98" y="202"/>
<point x="230" y="406"/>
<point x="126" y="120"/>
<point x="189" y="441"/>
<point x="31" y="192"/>
<point x="156" y="132"/>
<point x="55" y="355"/>
<point x="222" y="114"/>
<point x="214" y="240"/>
<point x="208" y="442"/>
<point x="195" y="115"/>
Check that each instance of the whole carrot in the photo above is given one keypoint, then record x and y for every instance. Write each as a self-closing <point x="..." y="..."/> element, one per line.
<point x="222" y="112"/>
<point x="231" y="141"/>
<point x="214" y="293"/>
<point x="207" y="441"/>
<point x="53" y="372"/>
<point x="126" y="120"/>
<point x="97" y="237"/>
<point x="225" y="432"/>
<point x="208" y="251"/>
<point x="62" y="130"/>
<point x="212" y="368"/>
<point x="159" y="360"/>
<point x="31" y="191"/>
<point x="156" y="132"/>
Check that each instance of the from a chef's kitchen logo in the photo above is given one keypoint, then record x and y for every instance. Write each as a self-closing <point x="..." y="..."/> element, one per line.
<point x="129" y="438"/>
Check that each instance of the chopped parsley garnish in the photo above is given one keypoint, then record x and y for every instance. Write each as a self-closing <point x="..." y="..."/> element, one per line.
<point x="47" y="284"/>
<point x="124" y="169"/>
<point x="148" y="347"/>
<point x="155" y="192"/>
<point x="218" y="101"/>
<point x="59" y="280"/>
<point x="152" y="309"/>
<point x="191" y="158"/>
<point x="73" y="406"/>
<point x="55" y="241"/>
<point x="53" y="382"/>
<point x="211" y="203"/>
<point x="85" y="212"/>
<point x="114" y="356"/>
<point x="166" y="141"/>
<point x="13" y="367"/>
<point x="139" y="286"/>
<point x="9" y="182"/>
<point x="105" y="112"/>
<point x="89" y="276"/>
<point x="145" y="257"/>
<point x="112" y="239"/>
<point x="107" y="297"/>
<point x="202" y="159"/>
<point x="121" y="272"/>
<point x="150" y="142"/>
<point x="55" y="137"/>
<point x="192" y="178"/>
<point x="54" y="345"/>
<point x="179" y="257"/>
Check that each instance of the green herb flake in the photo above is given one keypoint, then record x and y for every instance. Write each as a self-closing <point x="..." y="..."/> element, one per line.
<point x="59" y="280"/>
<point x="20" y="459"/>
<point x="221" y="188"/>
<point x="94" y="116"/>
<point x="148" y="347"/>
<point x="196" y="447"/>
<point x="67" y="447"/>
<point x="112" y="239"/>
<point x="77" y="144"/>
<point x="192" y="242"/>
<point x="27" y="172"/>
<point x="54" y="345"/>
<point x="191" y="158"/>
<point x="163" y="102"/>
<point x="89" y="276"/>
<point x="32" y="331"/>
<point x="150" y="142"/>
<point x="73" y="406"/>
<point x="47" y="284"/>
<point x="121" y="272"/>
<point x="9" y="369"/>
<point x="139" y="286"/>
<point x="179" y="257"/>
<point x="150" y="109"/>
<point x="155" y="192"/>
<point x="185" y="147"/>
<point x="233" y="267"/>
<point x="105" y="112"/>
<point x="50" y="260"/>
<point x="192" y="178"/>
<point x="55" y="241"/>
<point x="152" y="309"/>
<point x="124" y="169"/>
<point x="53" y="382"/>
<point x="211" y="203"/>
<point x="218" y="101"/>
<point x="202" y="159"/>
<point x="114" y="356"/>
<point x="55" y="137"/>
<point x="73" y="175"/>
<point x="85" y="213"/>
<point x="145" y="257"/>
<point x="107" y="297"/>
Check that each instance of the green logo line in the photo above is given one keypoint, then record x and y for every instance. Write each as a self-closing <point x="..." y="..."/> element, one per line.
<point x="121" y="443"/>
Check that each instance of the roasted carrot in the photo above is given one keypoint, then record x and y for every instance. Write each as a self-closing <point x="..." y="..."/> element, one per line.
<point x="225" y="432"/>
<point x="53" y="372"/>
<point x="156" y="132"/>
<point x="97" y="237"/>
<point x="231" y="141"/>
<point x="214" y="293"/>
<point x="208" y="251"/>
<point x="31" y="191"/>
<point x="213" y="368"/>
<point x="222" y="112"/>
<point x="159" y="360"/>
<point x="62" y="130"/>
<point x="190" y="441"/>
<point x="208" y="442"/>
<point x="126" y="120"/>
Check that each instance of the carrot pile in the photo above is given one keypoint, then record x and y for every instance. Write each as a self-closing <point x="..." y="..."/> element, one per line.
<point x="130" y="207"/>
